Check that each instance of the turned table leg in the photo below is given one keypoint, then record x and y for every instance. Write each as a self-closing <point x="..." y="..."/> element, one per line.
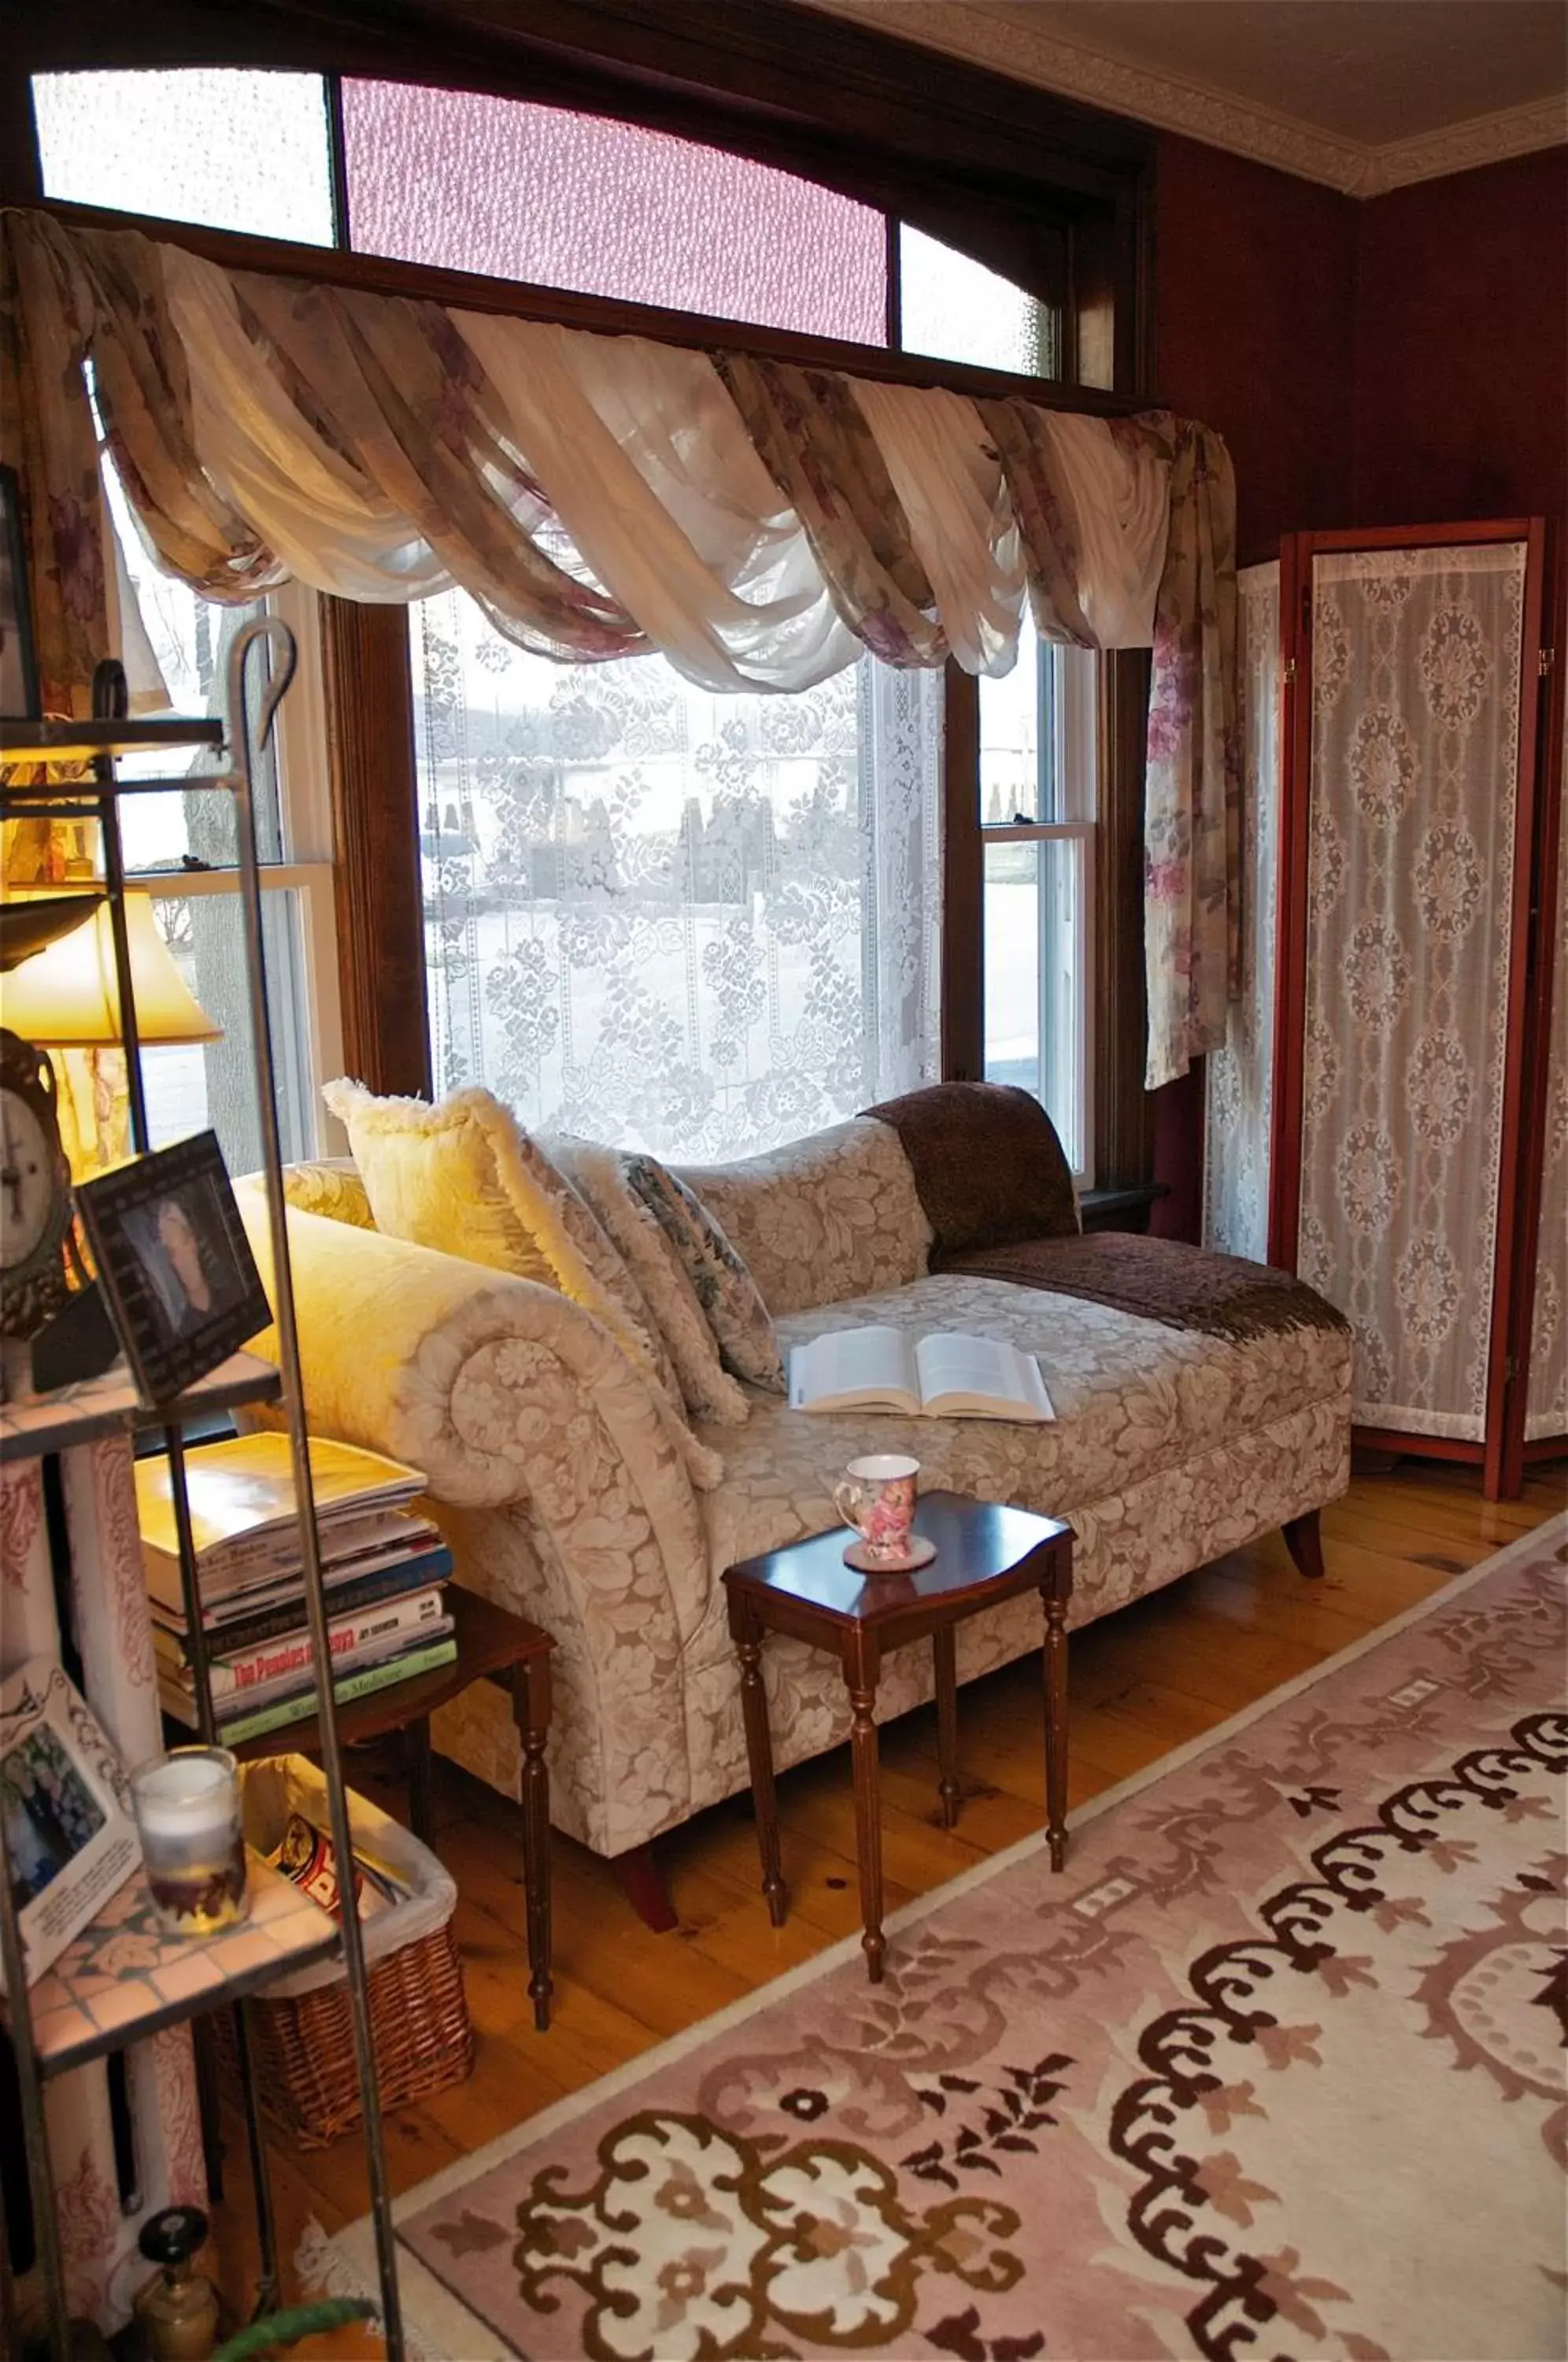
<point x="1055" y="1592"/>
<point x="867" y="1822"/>
<point x="530" y="1712"/>
<point x="943" y="1654"/>
<point x="747" y="1635"/>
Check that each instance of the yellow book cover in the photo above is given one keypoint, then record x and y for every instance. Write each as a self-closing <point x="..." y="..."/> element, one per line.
<point x="243" y="1489"/>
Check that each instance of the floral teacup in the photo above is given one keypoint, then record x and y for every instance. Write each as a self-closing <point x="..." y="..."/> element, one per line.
<point x="877" y="1496"/>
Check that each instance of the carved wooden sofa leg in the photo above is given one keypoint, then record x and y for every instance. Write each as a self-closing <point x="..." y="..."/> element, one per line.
<point x="642" y="1884"/>
<point x="1305" y="1543"/>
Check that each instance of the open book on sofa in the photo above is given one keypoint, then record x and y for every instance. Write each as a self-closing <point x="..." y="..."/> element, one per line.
<point x="941" y="1376"/>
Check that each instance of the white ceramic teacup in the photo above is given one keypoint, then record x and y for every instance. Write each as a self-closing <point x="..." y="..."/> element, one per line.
<point x="876" y="1496"/>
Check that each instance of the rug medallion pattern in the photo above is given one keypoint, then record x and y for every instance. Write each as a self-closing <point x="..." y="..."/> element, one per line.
<point x="1275" y="2070"/>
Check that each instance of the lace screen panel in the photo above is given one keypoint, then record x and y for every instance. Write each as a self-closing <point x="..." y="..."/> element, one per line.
<point x="1415" y="752"/>
<point x="1240" y="1086"/>
<point x="700" y="925"/>
<point x="519" y="190"/>
<point x="234" y="148"/>
<point x="1546" y="1403"/>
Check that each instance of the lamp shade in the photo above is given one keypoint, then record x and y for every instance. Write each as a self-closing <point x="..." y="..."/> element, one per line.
<point x="67" y="997"/>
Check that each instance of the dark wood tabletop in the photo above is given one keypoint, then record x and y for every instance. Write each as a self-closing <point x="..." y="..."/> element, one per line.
<point x="976" y="1542"/>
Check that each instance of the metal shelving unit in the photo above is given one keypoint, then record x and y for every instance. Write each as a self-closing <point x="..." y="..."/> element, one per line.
<point x="55" y="2027"/>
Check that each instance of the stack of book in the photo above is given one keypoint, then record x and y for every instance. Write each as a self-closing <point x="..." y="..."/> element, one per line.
<point x="384" y="1569"/>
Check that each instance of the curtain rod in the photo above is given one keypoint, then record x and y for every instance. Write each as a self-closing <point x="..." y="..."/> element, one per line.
<point x="604" y="316"/>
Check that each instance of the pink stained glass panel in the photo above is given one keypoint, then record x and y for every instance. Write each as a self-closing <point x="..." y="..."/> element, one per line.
<point x="538" y="193"/>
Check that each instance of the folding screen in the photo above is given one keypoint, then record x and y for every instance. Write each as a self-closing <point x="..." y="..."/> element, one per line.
<point x="1403" y="968"/>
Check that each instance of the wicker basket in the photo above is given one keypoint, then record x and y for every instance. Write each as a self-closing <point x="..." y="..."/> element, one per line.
<point x="302" y="2033"/>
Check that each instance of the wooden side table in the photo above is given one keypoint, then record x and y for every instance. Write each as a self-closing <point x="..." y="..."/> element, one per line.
<point x="986" y="1553"/>
<point x="491" y="1640"/>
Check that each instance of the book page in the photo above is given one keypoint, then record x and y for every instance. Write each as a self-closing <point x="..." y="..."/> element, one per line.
<point x="854" y="1369"/>
<point x="981" y="1376"/>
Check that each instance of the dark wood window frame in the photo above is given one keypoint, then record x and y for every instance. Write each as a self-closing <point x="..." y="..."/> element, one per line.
<point x="1047" y="192"/>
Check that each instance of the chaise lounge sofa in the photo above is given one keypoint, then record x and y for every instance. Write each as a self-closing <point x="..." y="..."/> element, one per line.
<point x="1178" y="1437"/>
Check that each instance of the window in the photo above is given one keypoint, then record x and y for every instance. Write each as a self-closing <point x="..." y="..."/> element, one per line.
<point x="543" y="194"/>
<point x="1037" y="775"/>
<point x="235" y="150"/>
<point x="697" y="924"/>
<point x="956" y="310"/>
<point x="183" y="850"/>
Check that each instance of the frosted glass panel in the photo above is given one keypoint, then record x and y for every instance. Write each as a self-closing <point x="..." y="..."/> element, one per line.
<point x="238" y="149"/>
<point x="540" y="193"/>
<point x="956" y="310"/>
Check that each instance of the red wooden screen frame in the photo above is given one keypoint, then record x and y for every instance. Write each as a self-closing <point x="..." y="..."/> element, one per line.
<point x="1532" y="918"/>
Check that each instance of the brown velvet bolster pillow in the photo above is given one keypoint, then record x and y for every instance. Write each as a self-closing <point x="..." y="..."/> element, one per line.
<point x="987" y="1165"/>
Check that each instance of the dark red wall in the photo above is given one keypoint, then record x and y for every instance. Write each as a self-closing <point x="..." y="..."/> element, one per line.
<point x="1462" y="347"/>
<point x="1254" y="321"/>
<point x="1401" y="362"/>
<point x="1254" y="330"/>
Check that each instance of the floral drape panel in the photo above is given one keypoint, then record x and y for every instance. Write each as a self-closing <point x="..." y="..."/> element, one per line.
<point x="1239" y="1083"/>
<point x="760" y="522"/>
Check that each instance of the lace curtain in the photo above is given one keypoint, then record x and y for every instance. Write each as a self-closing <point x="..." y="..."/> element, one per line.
<point x="695" y="924"/>
<point x="1415" y="745"/>
<point x="761" y="523"/>
<point x="1238" y="1081"/>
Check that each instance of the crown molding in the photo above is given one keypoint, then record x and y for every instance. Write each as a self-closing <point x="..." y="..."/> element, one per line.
<point x="1002" y="38"/>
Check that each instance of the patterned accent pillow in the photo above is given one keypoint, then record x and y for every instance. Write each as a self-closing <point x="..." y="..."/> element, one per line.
<point x="464" y="1177"/>
<point x="726" y="1290"/>
<point x="600" y="1175"/>
<point x="329" y="1186"/>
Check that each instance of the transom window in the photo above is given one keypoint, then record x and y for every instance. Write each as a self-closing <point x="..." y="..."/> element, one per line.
<point x="543" y="196"/>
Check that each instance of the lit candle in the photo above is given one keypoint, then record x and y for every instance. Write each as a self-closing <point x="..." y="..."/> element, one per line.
<point x="187" y="1816"/>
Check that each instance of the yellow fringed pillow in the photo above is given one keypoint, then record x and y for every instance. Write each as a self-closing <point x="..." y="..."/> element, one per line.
<point x="464" y="1177"/>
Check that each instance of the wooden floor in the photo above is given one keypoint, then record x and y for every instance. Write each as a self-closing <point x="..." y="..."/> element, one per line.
<point x="1143" y="1681"/>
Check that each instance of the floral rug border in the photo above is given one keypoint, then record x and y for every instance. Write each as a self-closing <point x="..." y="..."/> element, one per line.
<point x="439" y="2327"/>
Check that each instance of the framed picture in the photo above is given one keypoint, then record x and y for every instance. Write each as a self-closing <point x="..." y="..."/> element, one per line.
<point x="175" y="1263"/>
<point x="68" y="1839"/>
<point x="19" y="671"/>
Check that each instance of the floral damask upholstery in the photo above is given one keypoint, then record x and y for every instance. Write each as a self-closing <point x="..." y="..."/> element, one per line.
<point x="833" y="1215"/>
<point x="556" y="1473"/>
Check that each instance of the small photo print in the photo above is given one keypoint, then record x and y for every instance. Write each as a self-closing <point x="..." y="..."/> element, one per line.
<point x="183" y="1242"/>
<point x="50" y="1813"/>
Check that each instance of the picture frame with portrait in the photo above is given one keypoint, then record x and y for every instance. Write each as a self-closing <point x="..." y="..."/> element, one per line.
<point x="69" y="1841"/>
<point x="175" y="1263"/>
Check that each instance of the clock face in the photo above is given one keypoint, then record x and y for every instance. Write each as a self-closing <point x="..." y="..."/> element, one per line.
<point x="27" y="1183"/>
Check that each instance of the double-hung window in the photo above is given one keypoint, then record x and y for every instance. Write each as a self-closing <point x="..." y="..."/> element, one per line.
<point x="182" y="851"/>
<point x="1037" y="811"/>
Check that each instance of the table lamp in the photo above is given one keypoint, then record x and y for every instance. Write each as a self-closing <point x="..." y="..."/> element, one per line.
<point x="67" y="997"/>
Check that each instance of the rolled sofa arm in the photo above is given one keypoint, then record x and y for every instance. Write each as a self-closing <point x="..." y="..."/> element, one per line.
<point x="508" y="1396"/>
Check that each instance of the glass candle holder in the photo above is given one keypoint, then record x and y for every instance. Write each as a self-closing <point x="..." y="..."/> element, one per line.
<point x="187" y="1815"/>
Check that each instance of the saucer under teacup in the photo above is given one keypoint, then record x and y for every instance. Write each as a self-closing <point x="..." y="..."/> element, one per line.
<point x="921" y="1553"/>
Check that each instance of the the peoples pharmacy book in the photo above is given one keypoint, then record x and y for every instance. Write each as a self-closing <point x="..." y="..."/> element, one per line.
<point x="941" y="1376"/>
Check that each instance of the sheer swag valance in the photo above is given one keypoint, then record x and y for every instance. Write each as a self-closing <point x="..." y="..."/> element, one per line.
<point x="760" y="522"/>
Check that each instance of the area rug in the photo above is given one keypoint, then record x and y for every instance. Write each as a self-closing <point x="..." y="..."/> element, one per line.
<point x="1276" y="2069"/>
